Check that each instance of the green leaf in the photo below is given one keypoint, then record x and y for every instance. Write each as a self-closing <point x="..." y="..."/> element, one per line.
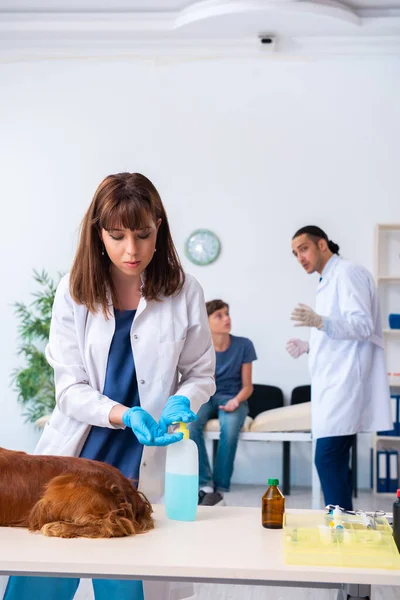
<point x="34" y="382"/>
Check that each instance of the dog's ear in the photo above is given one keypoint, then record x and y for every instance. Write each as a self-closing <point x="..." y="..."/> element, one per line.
<point x="56" y="503"/>
<point x="142" y="511"/>
<point x="111" y="525"/>
<point x="90" y="529"/>
<point x="40" y="514"/>
<point x="91" y="505"/>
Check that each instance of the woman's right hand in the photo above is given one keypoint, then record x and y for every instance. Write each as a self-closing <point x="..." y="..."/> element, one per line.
<point x="146" y="429"/>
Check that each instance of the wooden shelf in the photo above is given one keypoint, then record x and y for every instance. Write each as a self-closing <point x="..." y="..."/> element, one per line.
<point x="389" y="278"/>
<point x="389" y="227"/>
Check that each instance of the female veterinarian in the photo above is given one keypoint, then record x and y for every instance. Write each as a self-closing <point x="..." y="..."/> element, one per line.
<point x="126" y="323"/>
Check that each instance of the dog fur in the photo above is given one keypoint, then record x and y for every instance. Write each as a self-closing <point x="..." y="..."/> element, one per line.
<point x="69" y="497"/>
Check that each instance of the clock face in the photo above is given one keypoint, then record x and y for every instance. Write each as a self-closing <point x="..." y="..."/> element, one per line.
<point x="202" y="247"/>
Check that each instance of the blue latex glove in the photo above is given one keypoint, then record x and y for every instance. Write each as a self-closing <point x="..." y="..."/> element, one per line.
<point x="177" y="409"/>
<point x="146" y="429"/>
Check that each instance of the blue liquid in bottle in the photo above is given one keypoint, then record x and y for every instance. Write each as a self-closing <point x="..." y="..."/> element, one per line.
<point x="181" y="496"/>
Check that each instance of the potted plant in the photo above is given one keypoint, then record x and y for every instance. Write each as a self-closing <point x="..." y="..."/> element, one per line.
<point x="34" y="382"/>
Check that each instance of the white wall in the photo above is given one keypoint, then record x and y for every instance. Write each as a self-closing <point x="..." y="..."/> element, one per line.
<point x="252" y="149"/>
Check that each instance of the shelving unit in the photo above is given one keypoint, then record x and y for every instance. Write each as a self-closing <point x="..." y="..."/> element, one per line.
<point x="387" y="277"/>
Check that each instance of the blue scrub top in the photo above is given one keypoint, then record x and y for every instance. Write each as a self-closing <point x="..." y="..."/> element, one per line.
<point x="118" y="447"/>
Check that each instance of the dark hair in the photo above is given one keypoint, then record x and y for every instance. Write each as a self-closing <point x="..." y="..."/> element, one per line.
<point x="123" y="200"/>
<point x="316" y="233"/>
<point x="213" y="305"/>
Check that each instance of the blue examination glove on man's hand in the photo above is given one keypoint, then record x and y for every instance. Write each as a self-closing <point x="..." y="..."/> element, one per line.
<point x="176" y="409"/>
<point x="146" y="429"/>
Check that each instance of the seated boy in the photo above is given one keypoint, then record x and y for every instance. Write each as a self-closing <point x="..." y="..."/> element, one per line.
<point x="234" y="386"/>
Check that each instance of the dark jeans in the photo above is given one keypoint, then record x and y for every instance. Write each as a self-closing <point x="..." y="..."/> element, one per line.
<point x="332" y="459"/>
<point x="231" y="424"/>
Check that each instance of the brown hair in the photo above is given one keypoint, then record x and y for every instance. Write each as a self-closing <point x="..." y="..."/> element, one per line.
<point x="122" y="200"/>
<point x="213" y="305"/>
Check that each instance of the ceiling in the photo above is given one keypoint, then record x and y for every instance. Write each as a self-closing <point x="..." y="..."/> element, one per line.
<point x="143" y="5"/>
<point x="336" y="25"/>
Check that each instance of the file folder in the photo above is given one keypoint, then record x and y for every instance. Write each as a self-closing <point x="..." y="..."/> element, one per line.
<point x="371" y="468"/>
<point x="381" y="471"/>
<point x="396" y="399"/>
<point x="395" y="417"/>
<point x="393" y="470"/>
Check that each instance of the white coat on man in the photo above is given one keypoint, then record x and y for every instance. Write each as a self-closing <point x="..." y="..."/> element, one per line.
<point x="350" y="391"/>
<point x="174" y="354"/>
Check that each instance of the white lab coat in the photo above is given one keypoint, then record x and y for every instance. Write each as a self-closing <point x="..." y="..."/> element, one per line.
<point x="350" y="391"/>
<point x="174" y="354"/>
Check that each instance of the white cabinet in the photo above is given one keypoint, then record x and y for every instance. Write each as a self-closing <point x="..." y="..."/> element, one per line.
<point x="387" y="277"/>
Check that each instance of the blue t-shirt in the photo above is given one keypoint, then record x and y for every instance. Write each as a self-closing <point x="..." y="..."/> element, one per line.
<point x="228" y="372"/>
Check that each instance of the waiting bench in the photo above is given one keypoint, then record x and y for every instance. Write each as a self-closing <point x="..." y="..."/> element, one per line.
<point x="270" y="421"/>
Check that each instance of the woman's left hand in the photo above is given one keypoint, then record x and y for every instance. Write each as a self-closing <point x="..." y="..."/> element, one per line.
<point x="176" y="410"/>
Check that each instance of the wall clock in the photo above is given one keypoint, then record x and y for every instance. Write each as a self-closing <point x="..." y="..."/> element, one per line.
<point x="202" y="247"/>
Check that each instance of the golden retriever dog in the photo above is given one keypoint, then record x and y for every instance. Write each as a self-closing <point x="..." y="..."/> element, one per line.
<point x="69" y="497"/>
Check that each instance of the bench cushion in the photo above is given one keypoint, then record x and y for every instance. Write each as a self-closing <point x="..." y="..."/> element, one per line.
<point x="295" y="417"/>
<point x="213" y="425"/>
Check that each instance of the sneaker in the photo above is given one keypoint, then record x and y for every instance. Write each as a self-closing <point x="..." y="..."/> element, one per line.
<point x="212" y="499"/>
<point x="202" y="493"/>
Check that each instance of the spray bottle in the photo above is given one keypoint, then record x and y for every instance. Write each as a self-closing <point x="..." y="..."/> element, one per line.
<point x="182" y="478"/>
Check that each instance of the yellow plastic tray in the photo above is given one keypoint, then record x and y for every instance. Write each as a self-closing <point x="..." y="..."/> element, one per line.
<point x="308" y="540"/>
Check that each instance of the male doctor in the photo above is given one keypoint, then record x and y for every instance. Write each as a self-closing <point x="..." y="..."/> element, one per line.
<point x="349" y="386"/>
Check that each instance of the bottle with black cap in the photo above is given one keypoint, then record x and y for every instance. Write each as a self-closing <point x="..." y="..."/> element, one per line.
<point x="396" y="521"/>
<point x="273" y="506"/>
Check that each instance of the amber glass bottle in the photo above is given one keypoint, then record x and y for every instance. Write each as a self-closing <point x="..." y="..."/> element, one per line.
<point x="273" y="506"/>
